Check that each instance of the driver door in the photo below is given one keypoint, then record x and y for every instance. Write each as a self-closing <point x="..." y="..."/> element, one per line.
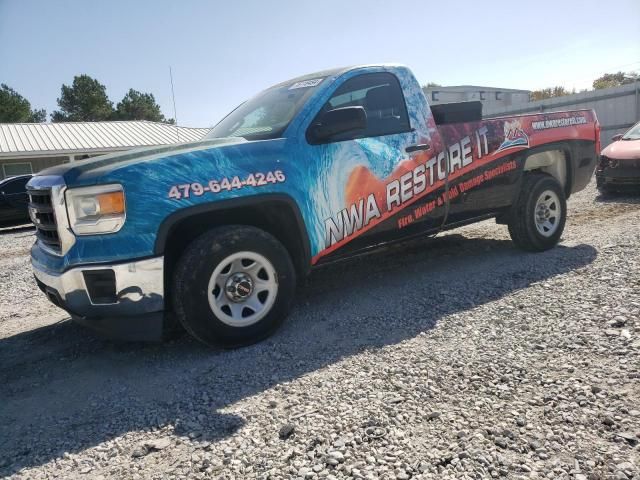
<point x="359" y="171"/>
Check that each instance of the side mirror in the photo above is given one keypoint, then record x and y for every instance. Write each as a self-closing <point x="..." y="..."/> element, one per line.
<point x="617" y="137"/>
<point x="337" y="121"/>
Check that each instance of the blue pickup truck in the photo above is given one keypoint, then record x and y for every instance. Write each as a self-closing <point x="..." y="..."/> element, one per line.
<point x="213" y="235"/>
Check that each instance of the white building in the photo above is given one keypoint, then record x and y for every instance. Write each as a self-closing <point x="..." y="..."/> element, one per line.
<point x="617" y="108"/>
<point x="31" y="147"/>
<point x="489" y="96"/>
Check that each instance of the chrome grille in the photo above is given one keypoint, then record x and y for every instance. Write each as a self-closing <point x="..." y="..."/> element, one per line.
<point x="43" y="217"/>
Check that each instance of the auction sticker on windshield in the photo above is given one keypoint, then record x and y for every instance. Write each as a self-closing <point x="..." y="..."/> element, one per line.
<point x="306" y="83"/>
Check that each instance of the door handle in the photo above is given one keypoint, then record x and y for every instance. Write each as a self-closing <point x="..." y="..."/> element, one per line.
<point x="416" y="148"/>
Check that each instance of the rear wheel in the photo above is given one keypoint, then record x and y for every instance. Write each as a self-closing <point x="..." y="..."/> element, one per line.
<point x="537" y="219"/>
<point x="233" y="286"/>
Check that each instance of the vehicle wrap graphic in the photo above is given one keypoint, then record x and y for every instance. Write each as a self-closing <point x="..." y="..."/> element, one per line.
<point x="473" y="152"/>
<point x="216" y="186"/>
<point x="344" y="191"/>
<point x="514" y="136"/>
<point x="558" y="122"/>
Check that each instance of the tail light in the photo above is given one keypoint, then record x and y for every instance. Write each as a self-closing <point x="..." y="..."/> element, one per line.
<point x="598" y="144"/>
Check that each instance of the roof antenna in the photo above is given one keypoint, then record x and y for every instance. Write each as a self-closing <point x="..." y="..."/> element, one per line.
<point x="175" y="115"/>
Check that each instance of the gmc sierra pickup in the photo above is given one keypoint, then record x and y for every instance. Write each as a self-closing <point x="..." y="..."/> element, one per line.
<point x="213" y="235"/>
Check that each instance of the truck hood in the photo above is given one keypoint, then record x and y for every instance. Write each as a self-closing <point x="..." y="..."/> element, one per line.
<point x="84" y="170"/>
<point x="623" y="150"/>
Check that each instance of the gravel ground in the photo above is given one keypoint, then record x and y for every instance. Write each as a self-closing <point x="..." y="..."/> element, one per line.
<point x="459" y="357"/>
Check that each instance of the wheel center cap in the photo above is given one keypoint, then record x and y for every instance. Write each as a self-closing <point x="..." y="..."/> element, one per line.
<point x="239" y="287"/>
<point x="543" y="213"/>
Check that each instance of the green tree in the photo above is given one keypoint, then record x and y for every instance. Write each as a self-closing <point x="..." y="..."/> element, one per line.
<point x="38" y="116"/>
<point x="84" y="101"/>
<point x="138" y="106"/>
<point x="609" y="80"/>
<point x="15" y="108"/>
<point x="431" y="84"/>
<point x="551" y="92"/>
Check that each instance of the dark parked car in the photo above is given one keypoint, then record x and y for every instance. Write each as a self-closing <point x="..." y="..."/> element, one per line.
<point x="619" y="167"/>
<point x="14" y="201"/>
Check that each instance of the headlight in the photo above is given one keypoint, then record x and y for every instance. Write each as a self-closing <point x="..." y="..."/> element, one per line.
<point x="94" y="210"/>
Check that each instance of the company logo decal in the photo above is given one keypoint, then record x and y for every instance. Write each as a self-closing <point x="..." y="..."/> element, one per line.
<point x="514" y="136"/>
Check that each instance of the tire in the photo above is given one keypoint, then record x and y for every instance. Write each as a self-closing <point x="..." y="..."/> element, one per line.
<point x="233" y="286"/>
<point x="534" y="227"/>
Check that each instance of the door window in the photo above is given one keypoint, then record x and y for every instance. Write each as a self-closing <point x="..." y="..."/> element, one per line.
<point x="381" y="97"/>
<point x="15" y="186"/>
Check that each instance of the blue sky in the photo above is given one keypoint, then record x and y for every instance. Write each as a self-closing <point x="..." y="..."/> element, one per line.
<point x="224" y="52"/>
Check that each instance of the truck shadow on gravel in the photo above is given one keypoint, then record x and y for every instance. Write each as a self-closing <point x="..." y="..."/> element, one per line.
<point x="629" y="198"/>
<point x="64" y="390"/>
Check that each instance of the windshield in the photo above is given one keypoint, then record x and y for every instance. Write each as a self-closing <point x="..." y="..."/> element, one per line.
<point x="268" y="114"/>
<point x="633" y="134"/>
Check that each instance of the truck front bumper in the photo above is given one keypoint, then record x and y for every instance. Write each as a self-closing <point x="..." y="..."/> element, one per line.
<point x="124" y="301"/>
<point x="620" y="178"/>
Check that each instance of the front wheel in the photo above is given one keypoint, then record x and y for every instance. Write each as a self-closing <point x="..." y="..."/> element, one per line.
<point x="233" y="286"/>
<point x="538" y="217"/>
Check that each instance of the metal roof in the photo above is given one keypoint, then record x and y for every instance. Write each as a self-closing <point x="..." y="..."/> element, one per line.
<point x="67" y="138"/>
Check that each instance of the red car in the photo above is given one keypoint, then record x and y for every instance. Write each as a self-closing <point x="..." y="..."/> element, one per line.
<point x="619" y="167"/>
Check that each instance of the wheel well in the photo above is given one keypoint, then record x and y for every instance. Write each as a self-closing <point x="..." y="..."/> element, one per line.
<point x="554" y="161"/>
<point x="551" y="159"/>
<point x="277" y="217"/>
